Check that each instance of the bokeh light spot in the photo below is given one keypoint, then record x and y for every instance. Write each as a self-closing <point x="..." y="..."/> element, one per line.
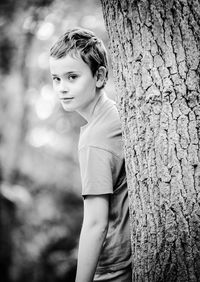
<point x="45" y="104"/>
<point x="45" y="31"/>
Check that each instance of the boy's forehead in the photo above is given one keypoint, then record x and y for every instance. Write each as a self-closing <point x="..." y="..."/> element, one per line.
<point x="67" y="63"/>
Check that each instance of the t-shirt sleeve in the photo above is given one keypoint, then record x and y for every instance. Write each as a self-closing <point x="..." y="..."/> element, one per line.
<point x="96" y="171"/>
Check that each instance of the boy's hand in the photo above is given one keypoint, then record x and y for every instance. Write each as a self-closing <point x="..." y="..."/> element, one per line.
<point x="93" y="233"/>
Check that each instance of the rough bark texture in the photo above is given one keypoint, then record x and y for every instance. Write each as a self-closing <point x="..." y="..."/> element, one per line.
<point x="155" y="50"/>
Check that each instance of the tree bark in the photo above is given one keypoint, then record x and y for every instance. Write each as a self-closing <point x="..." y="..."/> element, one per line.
<point x="155" y="51"/>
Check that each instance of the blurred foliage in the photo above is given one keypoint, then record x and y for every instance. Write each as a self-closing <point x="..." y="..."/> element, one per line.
<point x="40" y="202"/>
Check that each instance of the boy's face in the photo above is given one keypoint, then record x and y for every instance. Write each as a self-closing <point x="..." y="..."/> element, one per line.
<point x="73" y="82"/>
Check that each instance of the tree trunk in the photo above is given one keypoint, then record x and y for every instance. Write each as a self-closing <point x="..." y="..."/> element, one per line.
<point x="20" y="113"/>
<point x="14" y="97"/>
<point x="155" y="51"/>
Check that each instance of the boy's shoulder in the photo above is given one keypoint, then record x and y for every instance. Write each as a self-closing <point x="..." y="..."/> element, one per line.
<point x="104" y="131"/>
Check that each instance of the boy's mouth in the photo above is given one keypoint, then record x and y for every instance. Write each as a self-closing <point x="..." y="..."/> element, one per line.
<point x="66" y="99"/>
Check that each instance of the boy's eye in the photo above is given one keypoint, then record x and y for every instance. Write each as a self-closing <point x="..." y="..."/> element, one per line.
<point x="72" y="77"/>
<point x="56" y="79"/>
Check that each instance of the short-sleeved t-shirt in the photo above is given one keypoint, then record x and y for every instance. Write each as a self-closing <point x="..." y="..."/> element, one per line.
<point x="102" y="169"/>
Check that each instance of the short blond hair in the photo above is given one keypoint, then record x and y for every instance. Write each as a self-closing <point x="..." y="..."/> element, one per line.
<point x="84" y="43"/>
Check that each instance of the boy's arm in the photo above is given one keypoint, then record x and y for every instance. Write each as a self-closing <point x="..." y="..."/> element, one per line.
<point x="93" y="233"/>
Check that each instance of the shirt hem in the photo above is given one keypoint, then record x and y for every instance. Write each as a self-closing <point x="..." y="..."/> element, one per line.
<point x="115" y="267"/>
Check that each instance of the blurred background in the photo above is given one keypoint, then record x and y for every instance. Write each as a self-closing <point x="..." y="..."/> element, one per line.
<point x="40" y="202"/>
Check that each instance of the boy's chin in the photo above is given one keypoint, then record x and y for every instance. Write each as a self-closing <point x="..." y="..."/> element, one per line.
<point x="67" y="109"/>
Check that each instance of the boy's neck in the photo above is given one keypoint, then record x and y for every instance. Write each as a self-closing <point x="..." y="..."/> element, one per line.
<point x="88" y="111"/>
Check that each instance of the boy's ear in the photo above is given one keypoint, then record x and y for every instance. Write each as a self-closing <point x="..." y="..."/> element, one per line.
<point x="101" y="76"/>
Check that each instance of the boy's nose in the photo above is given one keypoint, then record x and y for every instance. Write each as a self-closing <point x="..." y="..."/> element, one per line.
<point x="63" y="88"/>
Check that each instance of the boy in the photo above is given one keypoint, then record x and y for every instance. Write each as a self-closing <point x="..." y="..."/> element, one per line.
<point x="79" y="68"/>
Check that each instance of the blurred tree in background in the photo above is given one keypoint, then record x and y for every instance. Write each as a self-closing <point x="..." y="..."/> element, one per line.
<point x="40" y="206"/>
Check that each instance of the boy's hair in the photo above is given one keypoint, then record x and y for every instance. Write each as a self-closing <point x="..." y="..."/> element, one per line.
<point x="83" y="43"/>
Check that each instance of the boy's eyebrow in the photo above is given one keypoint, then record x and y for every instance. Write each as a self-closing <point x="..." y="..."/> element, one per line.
<point x="66" y="73"/>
